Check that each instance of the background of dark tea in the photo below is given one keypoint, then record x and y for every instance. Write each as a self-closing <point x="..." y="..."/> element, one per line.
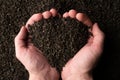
<point x="15" y="13"/>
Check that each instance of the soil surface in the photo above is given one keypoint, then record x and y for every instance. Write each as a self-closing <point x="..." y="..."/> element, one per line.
<point x="15" y="13"/>
<point x="59" y="39"/>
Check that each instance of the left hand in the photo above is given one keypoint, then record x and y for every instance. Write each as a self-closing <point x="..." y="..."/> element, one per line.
<point x="32" y="58"/>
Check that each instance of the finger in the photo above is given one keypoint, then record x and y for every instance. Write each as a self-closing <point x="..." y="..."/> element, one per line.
<point x="72" y="13"/>
<point x="84" y="19"/>
<point x="35" y="18"/>
<point x="20" y="39"/>
<point x="53" y="12"/>
<point x="65" y="15"/>
<point x="98" y="36"/>
<point x="47" y="14"/>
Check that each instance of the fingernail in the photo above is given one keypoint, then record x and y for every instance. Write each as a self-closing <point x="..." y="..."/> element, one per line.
<point x="96" y="24"/>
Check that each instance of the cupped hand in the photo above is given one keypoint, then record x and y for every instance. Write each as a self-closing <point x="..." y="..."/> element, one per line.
<point x="80" y="66"/>
<point x="30" y="56"/>
<point x="77" y="68"/>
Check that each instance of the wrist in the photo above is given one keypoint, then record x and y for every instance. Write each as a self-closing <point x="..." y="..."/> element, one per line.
<point x="52" y="74"/>
<point x="79" y="77"/>
<point x="36" y="77"/>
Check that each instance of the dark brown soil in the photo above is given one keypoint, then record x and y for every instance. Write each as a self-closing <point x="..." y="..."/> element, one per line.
<point x="60" y="39"/>
<point x="15" y="13"/>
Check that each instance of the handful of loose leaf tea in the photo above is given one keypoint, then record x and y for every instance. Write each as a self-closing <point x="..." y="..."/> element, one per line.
<point x="59" y="39"/>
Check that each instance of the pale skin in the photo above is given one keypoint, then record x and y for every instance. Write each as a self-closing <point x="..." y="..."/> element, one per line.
<point x="77" y="68"/>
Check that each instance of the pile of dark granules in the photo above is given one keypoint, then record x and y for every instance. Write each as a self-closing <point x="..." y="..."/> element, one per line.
<point x="59" y="39"/>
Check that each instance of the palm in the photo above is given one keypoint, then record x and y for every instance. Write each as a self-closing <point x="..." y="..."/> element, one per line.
<point x="33" y="60"/>
<point x="81" y="63"/>
<point x="85" y="59"/>
<point x="31" y="57"/>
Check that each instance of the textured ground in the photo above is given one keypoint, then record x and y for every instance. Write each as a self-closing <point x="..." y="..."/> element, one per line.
<point x="15" y="13"/>
<point x="59" y="39"/>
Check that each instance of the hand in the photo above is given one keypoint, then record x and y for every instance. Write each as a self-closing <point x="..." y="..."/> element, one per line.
<point x="32" y="58"/>
<point x="79" y="67"/>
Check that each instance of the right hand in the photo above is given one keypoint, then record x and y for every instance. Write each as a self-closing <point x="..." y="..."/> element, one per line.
<point x="80" y="66"/>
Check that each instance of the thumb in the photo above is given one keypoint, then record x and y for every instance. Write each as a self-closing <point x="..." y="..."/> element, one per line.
<point x="21" y="38"/>
<point x="98" y="39"/>
<point x="98" y="36"/>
